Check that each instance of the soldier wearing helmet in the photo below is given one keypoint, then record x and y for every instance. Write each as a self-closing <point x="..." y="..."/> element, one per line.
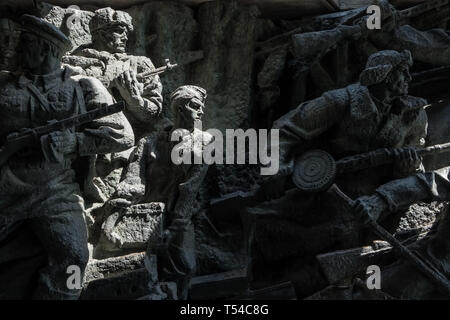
<point x="105" y="58"/>
<point x="39" y="187"/>
<point x="375" y="113"/>
<point x="154" y="176"/>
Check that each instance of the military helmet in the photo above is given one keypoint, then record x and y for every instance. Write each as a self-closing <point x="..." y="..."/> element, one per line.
<point x="380" y="64"/>
<point x="189" y="92"/>
<point x="45" y="30"/>
<point x="107" y="17"/>
<point x="186" y="93"/>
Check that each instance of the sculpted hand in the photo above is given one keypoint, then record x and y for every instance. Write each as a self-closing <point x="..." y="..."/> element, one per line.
<point x="129" y="87"/>
<point x="64" y="142"/>
<point x="57" y="144"/>
<point x="407" y="161"/>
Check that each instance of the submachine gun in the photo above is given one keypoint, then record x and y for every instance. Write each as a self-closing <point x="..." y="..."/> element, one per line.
<point x="316" y="171"/>
<point x="25" y="139"/>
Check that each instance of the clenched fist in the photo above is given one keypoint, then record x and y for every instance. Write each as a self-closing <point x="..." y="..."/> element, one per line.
<point x="129" y="87"/>
<point x="407" y="161"/>
<point x="57" y="144"/>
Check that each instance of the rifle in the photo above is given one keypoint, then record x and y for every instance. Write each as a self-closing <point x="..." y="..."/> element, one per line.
<point x="316" y="171"/>
<point x="404" y="16"/>
<point x="16" y="142"/>
<point x="439" y="8"/>
<point x="347" y="263"/>
<point x="436" y="74"/>
<point x="421" y="264"/>
<point x="147" y="74"/>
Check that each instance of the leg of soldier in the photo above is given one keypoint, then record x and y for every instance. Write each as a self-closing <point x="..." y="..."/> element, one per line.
<point x="63" y="233"/>
<point x="177" y="259"/>
<point x="15" y="202"/>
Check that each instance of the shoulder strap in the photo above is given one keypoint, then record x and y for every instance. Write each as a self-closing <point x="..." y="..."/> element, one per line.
<point x="80" y="98"/>
<point x="37" y="94"/>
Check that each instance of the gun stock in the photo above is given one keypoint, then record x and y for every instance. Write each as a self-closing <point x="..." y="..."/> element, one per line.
<point x="404" y="16"/>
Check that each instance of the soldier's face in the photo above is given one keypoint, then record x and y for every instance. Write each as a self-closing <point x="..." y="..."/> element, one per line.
<point x="116" y="39"/>
<point x="32" y="52"/>
<point x="400" y="81"/>
<point x="193" y="111"/>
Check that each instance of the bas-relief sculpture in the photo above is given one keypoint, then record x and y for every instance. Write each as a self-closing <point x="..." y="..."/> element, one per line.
<point x="136" y="199"/>
<point x="330" y="52"/>
<point x="152" y="177"/>
<point x="106" y="59"/>
<point x="39" y="185"/>
<point x="375" y="113"/>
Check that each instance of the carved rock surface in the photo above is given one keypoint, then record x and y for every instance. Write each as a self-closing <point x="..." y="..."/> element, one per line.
<point x="421" y="216"/>
<point x="99" y="269"/>
<point x="129" y="285"/>
<point x="167" y="30"/>
<point x="134" y="227"/>
<point x="75" y="24"/>
<point x="227" y="33"/>
<point x="126" y="277"/>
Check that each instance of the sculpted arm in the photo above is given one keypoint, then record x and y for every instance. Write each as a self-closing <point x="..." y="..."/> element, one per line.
<point x="306" y="122"/>
<point x="188" y="189"/>
<point x="152" y="92"/>
<point x="429" y="46"/>
<point x="132" y="187"/>
<point x="401" y="193"/>
<point x="109" y="134"/>
<point x="143" y="96"/>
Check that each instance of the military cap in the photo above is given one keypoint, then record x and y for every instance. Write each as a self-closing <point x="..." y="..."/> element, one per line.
<point x="189" y="92"/>
<point x="380" y="64"/>
<point x="107" y="17"/>
<point x="45" y="30"/>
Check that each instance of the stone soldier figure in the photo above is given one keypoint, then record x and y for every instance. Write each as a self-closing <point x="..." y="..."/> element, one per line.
<point x="375" y="113"/>
<point x="431" y="46"/>
<point x="352" y="42"/>
<point x="399" y="195"/>
<point x="106" y="59"/>
<point x="39" y="186"/>
<point x="154" y="177"/>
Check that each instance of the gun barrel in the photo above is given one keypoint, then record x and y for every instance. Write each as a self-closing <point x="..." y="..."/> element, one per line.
<point x="380" y="157"/>
<point x="422" y="8"/>
<point x="159" y="70"/>
<point x="76" y="120"/>
<point x="438" y="148"/>
<point x="433" y="274"/>
<point x="16" y="142"/>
